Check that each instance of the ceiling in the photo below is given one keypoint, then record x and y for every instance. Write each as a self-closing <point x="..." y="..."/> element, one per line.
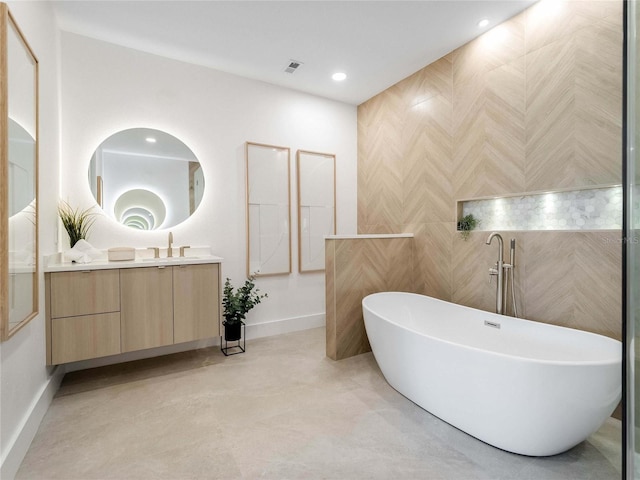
<point x="376" y="43"/>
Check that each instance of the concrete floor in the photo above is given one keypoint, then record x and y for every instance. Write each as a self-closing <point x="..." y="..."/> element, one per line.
<point x="282" y="410"/>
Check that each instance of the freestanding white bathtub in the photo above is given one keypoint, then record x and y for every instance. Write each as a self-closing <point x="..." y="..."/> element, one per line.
<point x="522" y="386"/>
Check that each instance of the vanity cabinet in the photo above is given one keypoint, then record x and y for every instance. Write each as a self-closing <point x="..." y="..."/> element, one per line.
<point x="147" y="308"/>
<point x="83" y="314"/>
<point x="96" y="313"/>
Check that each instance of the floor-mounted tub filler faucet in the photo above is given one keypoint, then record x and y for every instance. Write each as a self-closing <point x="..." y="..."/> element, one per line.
<point x="498" y="270"/>
<point x="504" y="273"/>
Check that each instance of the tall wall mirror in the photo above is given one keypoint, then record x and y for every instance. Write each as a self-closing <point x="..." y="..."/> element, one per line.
<point x="146" y="179"/>
<point x="316" y="207"/>
<point x="268" y="209"/>
<point x="18" y="178"/>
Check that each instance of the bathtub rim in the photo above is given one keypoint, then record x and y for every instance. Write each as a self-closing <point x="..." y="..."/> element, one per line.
<point x="567" y="363"/>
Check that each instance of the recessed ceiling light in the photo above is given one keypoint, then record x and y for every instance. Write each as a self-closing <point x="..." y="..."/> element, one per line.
<point x="339" y="76"/>
<point x="483" y="23"/>
<point x="150" y="140"/>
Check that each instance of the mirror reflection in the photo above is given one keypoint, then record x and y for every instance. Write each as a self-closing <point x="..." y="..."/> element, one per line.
<point x="146" y="179"/>
<point x="151" y="210"/>
<point x="18" y="214"/>
<point x="22" y="221"/>
<point x="22" y="154"/>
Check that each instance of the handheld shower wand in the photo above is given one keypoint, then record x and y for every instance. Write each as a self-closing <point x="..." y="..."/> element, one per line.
<point x="512" y="266"/>
<point x="512" y="253"/>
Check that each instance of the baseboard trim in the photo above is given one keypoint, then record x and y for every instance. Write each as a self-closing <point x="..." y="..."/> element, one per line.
<point x="285" y="325"/>
<point x="18" y="445"/>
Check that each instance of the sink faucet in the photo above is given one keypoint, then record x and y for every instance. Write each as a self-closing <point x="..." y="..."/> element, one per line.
<point x="498" y="270"/>
<point x="170" y="250"/>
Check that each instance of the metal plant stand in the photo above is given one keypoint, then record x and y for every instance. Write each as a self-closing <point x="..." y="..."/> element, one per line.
<point x="240" y="344"/>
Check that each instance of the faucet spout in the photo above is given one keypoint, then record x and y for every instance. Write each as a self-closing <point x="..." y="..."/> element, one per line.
<point x="498" y="236"/>
<point x="170" y="249"/>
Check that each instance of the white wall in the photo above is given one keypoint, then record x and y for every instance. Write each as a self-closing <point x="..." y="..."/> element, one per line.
<point x="107" y="88"/>
<point x="26" y="385"/>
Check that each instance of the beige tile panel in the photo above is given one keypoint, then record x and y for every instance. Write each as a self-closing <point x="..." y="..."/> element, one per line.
<point x="598" y="94"/>
<point x="427" y="167"/>
<point x="471" y="260"/>
<point x="499" y="46"/>
<point x="360" y="267"/>
<point x="573" y="279"/>
<point x="555" y="20"/>
<point x="434" y="80"/>
<point x="570" y="279"/>
<point x="379" y="161"/>
<point x="489" y="132"/>
<point x="541" y="111"/>
<point x="468" y="101"/>
<point x="380" y="229"/>
<point x="469" y="137"/>
<point x="574" y="110"/>
<point x="388" y="265"/>
<point x="351" y="339"/>
<point x="432" y="258"/>
<point x="330" y="298"/>
<point x="550" y="117"/>
<point x="366" y="160"/>
<point x="598" y="283"/>
<point x="504" y="165"/>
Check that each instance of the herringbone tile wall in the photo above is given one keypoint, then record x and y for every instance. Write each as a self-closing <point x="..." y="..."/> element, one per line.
<point x="355" y="268"/>
<point x="534" y="104"/>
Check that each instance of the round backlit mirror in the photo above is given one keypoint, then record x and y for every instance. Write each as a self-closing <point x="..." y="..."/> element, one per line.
<point x="146" y="179"/>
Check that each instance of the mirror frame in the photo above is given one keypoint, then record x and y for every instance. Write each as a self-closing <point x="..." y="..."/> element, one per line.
<point x="248" y="146"/>
<point x="7" y="22"/>
<point x="300" y="173"/>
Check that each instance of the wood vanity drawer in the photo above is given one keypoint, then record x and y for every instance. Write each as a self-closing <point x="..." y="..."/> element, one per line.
<point x="84" y="337"/>
<point x="85" y="293"/>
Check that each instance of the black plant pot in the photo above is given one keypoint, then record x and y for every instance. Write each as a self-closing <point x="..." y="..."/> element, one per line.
<point x="232" y="331"/>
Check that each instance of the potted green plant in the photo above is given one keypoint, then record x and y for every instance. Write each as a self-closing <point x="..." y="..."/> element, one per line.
<point x="466" y="224"/>
<point x="76" y="222"/>
<point x="236" y="304"/>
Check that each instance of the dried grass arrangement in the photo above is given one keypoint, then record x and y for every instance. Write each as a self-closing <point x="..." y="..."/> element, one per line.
<point x="76" y="222"/>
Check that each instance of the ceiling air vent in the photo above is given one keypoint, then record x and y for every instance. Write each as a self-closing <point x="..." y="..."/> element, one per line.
<point x="293" y="66"/>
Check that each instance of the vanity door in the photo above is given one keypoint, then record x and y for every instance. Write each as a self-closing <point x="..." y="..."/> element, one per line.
<point x="196" y="302"/>
<point x="146" y="307"/>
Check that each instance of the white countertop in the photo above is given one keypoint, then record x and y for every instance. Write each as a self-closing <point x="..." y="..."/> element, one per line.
<point x="144" y="258"/>
<point x="375" y="235"/>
